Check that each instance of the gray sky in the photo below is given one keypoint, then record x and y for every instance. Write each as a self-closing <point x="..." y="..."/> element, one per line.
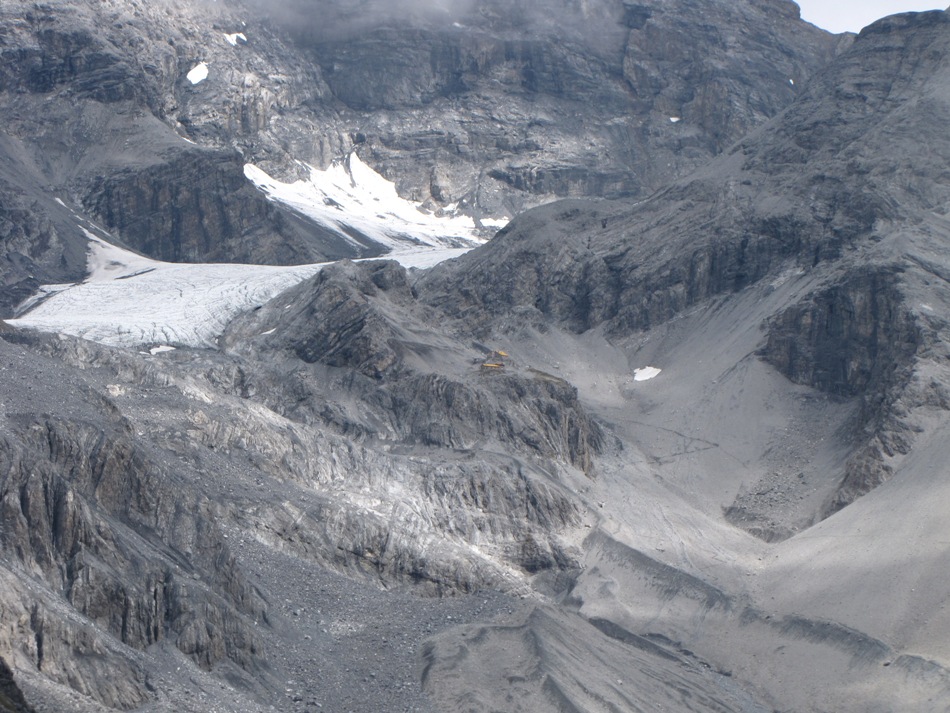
<point x="852" y="15"/>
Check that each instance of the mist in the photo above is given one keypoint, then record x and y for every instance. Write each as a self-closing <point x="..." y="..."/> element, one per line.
<point x="335" y="20"/>
<point x="328" y="20"/>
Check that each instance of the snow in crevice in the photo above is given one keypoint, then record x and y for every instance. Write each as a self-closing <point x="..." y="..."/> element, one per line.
<point x="198" y="74"/>
<point x="236" y="37"/>
<point x="349" y="195"/>
<point x="646" y="373"/>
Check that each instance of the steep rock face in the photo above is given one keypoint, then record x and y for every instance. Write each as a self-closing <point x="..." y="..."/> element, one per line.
<point x="41" y="242"/>
<point x="847" y="339"/>
<point x="11" y="699"/>
<point x="769" y="201"/>
<point x="54" y="57"/>
<point x="520" y="102"/>
<point x="26" y="236"/>
<point x="857" y="338"/>
<point x="196" y="206"/>
<point x="490" y="107"/>
<point x="90" y="95"/>
<point x="742" y="226"/>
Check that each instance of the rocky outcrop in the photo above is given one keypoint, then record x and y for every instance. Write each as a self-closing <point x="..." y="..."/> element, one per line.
<point x="196" y="206"/>
<point x="56" y="57"/>
<point x="856" y="339"/>
<point x="25" y="235"/>
<point x="103" y="528"/>
<point x="524" y="103"/>
<point x="11" y="699"/>
<point x="850" y="340"/>
<point x="419" y="385"/>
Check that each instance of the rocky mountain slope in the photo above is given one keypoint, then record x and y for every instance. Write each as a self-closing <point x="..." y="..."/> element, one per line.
<point x="834" y="195"/>
<point x="679" y="452"/>
<point x="483" y="110"/>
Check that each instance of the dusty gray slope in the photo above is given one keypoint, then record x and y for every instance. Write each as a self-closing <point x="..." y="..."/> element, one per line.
<point x="175" y="526"/>
<point x="509" y="110"/>
<point x="844" y="196"/>
<point x="792" y="294"/>
<point x="780" y="291"/>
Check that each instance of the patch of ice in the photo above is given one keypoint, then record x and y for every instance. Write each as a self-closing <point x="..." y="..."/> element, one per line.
<point x="423" y="259"/>
<point x="161" y="349"/>
<point x="494" y="223"/>
<point x="233" y="38"/>
<point x="129" y="300"/>
<point x="350" y="196"/>
<point x="646" y="373"/>
<point x="199" y="73"/>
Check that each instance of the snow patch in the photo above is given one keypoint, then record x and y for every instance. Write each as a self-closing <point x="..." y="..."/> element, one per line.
<point x="422" y="259"/>
<point x="646" y="373"/>
<point x="349" y="197"/>
<point x="161" y="349"/>
<point x="129" y="300"/>
<point x="199" y="73"/>
<point x="234" y="38"/>
<point x="675" y="119"/>
<point x="59" y="200"/>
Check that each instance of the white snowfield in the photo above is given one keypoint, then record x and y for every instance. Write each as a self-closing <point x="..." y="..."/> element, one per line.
<point x="133" y="301"/>
<point x="130" y="301"/>
<point x="351" y="195"/>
